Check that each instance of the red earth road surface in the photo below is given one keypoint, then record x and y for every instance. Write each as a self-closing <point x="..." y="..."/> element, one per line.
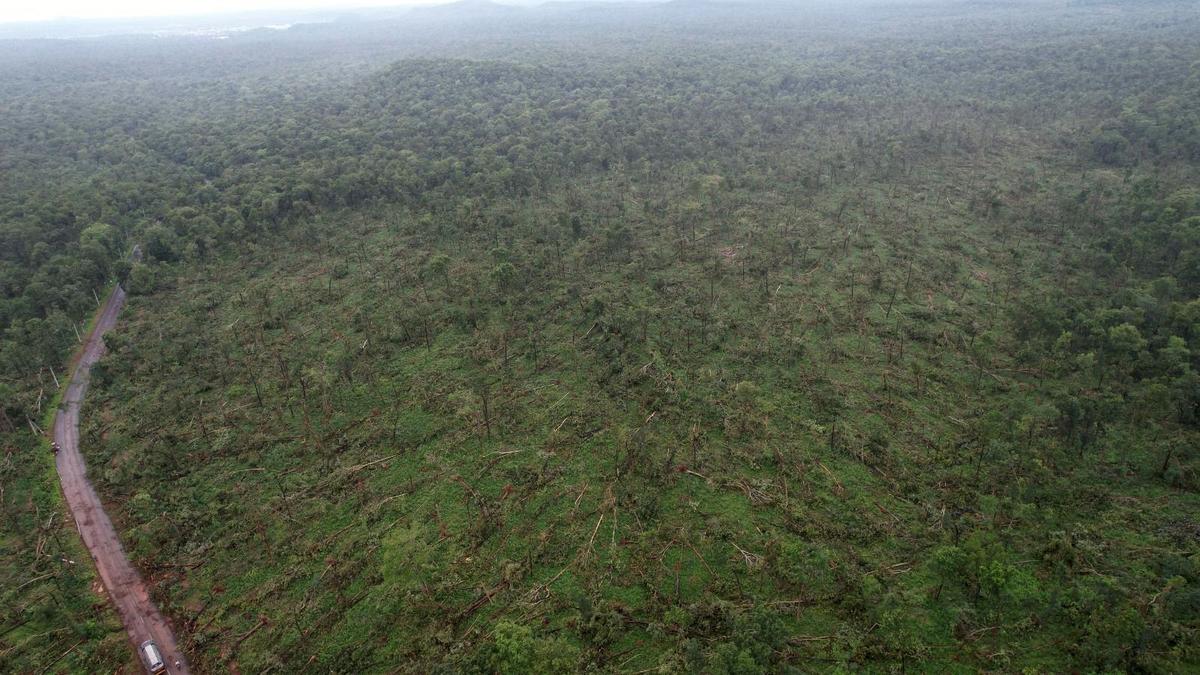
<point x="125" y="587"/>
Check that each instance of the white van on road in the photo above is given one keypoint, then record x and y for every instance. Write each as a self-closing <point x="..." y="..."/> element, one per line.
<point x="152" y="658"/>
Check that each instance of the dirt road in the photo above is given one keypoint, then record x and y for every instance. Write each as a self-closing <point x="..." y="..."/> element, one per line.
<point x="141" y="618"/>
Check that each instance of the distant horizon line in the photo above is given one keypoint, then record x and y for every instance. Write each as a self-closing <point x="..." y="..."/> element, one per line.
<point x="329" y="7"/>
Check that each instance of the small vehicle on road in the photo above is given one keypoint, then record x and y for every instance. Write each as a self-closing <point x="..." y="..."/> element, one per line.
<point x="152" y="658"/>
<point x="54" y="447"/>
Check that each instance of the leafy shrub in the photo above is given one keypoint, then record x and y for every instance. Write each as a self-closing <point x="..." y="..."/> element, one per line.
<point x="515" y="650"/>
<point x="807" y="566"/>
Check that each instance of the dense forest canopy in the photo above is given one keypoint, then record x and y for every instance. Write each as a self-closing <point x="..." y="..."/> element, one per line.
<point x="696" y="336"/>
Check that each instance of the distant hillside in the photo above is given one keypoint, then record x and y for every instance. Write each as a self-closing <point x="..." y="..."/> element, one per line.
<point x="468" y="8"/>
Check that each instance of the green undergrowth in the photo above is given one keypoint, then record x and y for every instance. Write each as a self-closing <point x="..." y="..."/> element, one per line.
<point x="363" y="446"/>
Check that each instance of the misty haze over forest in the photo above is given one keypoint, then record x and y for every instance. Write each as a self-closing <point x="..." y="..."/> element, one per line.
<point x="684" y="336"/>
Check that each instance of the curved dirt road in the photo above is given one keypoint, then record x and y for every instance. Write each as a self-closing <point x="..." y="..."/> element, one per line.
<point x="141" y="618"/>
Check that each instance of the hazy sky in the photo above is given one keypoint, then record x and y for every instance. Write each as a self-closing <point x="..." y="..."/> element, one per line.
<point x="37" y="10"/>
